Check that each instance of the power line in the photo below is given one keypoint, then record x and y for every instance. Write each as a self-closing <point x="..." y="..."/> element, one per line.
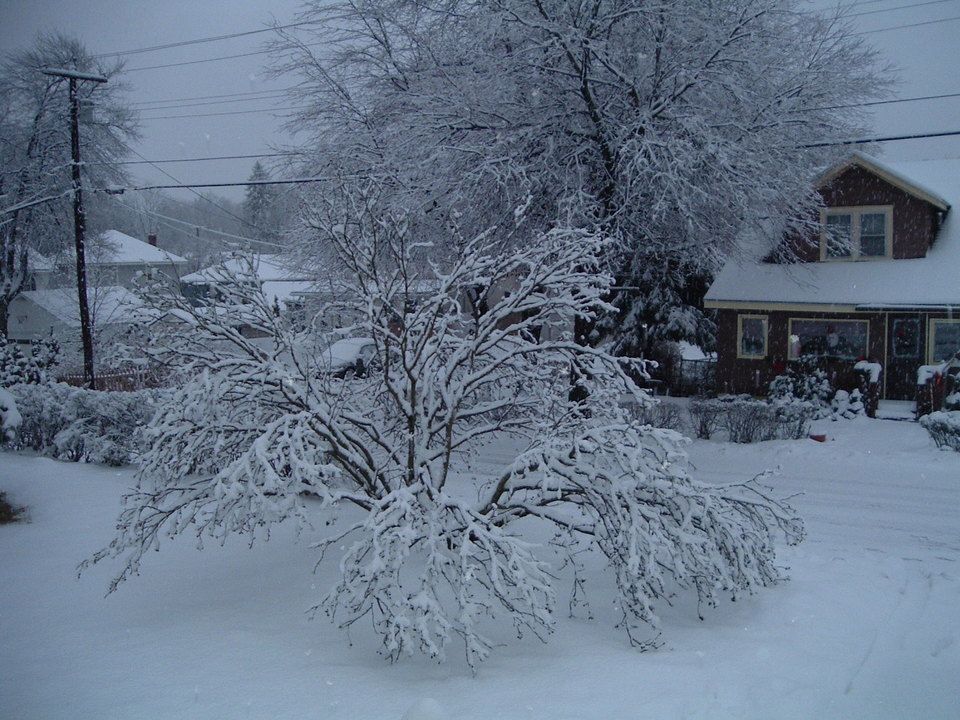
<point x="292" y="108"/>
<point x="199" y="159"/>
<point x="214" y="59"/>
<point x="195" y="62"/>
<point x="898" y="7"/>
<point x="198" y="41"/>
<point x="910" y="25"/>
<point x="228" y="112"/>
<point x="152" y="213"/>
<point x="207" y="97"/>
<point x="175" y="105"/>
<point x="892" y="138"/>
<point x="301" y="181"/>
<point x="883" y="102"/>
<point x="181" y="186"/>
<point x="199" y="195"/>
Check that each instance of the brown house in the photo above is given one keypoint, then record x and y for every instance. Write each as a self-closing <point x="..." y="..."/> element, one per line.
<point x="880" y="281"/>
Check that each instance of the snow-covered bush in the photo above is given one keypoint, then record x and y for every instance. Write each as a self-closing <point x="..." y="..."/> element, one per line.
<point x="748" y="420"/>
<point x="387" y="467"/>
<point x="77" y="424"/>
<point x="793" y="419"/>
<point x="19" y="369"/>
<point x="706" y="416"/>
<point x="659" y="414"/>
<point x="10" y="418"/>
<point x="804" y="381"/>
<point x="8" y="511"/>
<point x="847" y="405"/>
<point x="944" y="428"/>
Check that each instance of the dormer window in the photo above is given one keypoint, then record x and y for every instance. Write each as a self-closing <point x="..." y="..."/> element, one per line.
<point x="856" y="233"/>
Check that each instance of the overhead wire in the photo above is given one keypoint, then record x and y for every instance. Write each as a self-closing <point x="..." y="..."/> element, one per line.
<point x="201" y="195"/>
<point x="909" y="25"/>
<point x="898" y="7"/>
<point x="233" y="236"/>
<point x="198" y="41"/>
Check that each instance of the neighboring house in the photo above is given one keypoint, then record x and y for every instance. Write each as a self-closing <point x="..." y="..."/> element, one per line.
<point x="39" y="314"/>
<point x="881" y="282"/>
<point x="280" y="283"/>
<point x="113" y="258"/>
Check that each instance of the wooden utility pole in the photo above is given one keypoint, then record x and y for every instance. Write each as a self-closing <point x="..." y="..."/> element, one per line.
<point x="79" y="217"/>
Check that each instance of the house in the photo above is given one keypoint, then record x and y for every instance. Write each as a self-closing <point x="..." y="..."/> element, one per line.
<point x="39" y="314"/>
<point x="879" y="280"/>
<point x="112" y="258"/>
<point x="280" y="282"/>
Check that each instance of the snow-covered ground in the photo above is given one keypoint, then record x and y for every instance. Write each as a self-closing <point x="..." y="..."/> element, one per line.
<point x="868" y="627"/>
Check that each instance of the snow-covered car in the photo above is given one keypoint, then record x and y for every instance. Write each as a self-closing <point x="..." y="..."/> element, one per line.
<point x="350" y="357"/>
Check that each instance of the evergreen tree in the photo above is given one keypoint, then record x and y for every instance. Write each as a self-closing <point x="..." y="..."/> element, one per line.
<point x="260" y="206"/>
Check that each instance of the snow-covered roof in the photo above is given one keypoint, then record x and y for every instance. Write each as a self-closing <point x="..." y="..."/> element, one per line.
<point x="38" y="262"/>
<point x="111" y="304"/>
<point x="933" y="280"/>
<point x="266" y="268"/>
<point x="283" y="290"/>
<point x="113" y="247"/>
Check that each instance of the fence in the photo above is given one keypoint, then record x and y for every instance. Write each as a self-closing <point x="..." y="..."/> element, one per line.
<point x="118" y="381"/>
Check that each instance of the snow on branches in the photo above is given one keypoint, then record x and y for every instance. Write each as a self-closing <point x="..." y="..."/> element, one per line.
<point x="391" y="465"/>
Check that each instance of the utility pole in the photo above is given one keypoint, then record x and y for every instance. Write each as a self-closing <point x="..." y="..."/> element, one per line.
<point x="79" y="218"/>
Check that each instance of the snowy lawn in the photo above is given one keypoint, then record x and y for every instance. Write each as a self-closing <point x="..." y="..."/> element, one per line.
<point x="868" y="627"/>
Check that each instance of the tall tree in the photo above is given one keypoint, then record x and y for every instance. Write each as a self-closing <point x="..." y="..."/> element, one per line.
<point x="260" y="205"/>
<point x="672" y="127"/>
<point x="35" y="150"/>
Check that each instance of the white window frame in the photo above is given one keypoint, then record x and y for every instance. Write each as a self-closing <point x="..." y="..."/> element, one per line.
<point x="766" y="336"/>
<point x="931" y="336"/>
<point x="855" y="213"/>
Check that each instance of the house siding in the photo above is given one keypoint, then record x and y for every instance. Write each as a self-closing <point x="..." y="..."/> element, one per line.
<point x="914" y="220"/>
<point x="737" y="375"/>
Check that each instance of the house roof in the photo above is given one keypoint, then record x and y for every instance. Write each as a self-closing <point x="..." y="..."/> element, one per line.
<point x="933" y="280"/>
<point x="113" y="247"/>
<point x="110" y="304"/>
<point x="266" y="268"/>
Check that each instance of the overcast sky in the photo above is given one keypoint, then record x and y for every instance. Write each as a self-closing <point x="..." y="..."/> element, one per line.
<point x="927" y="55"/>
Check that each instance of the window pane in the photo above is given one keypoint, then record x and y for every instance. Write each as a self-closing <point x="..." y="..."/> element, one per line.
<point x="906" y="338"/>
<point x="946" y="340"/>
<point x="845" y="339"/>
<point x="753" y="336"/>
<point x="873" y="236"/>
<point x="837" y="234"/>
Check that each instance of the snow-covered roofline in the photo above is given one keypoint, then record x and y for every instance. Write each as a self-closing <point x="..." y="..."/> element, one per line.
<point x="887" y="173"/>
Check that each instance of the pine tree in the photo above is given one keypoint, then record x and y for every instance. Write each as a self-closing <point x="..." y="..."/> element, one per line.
<point x="260" y="205"/>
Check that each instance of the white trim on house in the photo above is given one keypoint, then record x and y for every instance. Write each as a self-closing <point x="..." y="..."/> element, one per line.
<point x="888" y="173"/>
<point x="856" y="214"/>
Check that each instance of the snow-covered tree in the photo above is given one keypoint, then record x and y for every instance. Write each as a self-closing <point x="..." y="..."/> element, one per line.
<point x="474" y="349"/>
<point x="674" y="128"/>
<point x="261" y="205"/>
<point x="35" y="150"/>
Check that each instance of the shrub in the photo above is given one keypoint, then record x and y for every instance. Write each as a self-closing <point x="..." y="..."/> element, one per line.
<point x="19" y="369"/>
<point x="9" y="416"/>
<point x="659" y="414"/>
<point x="944" y="428"/>
<point x="793" y="419"/>
<point x="76" y="424"/>
<point x="8" y="512"/>
<point x="706" y="417"/>
<point x="847" y="405"/>
<point x="748" y="420"/>
<point x="804" y="381"/>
